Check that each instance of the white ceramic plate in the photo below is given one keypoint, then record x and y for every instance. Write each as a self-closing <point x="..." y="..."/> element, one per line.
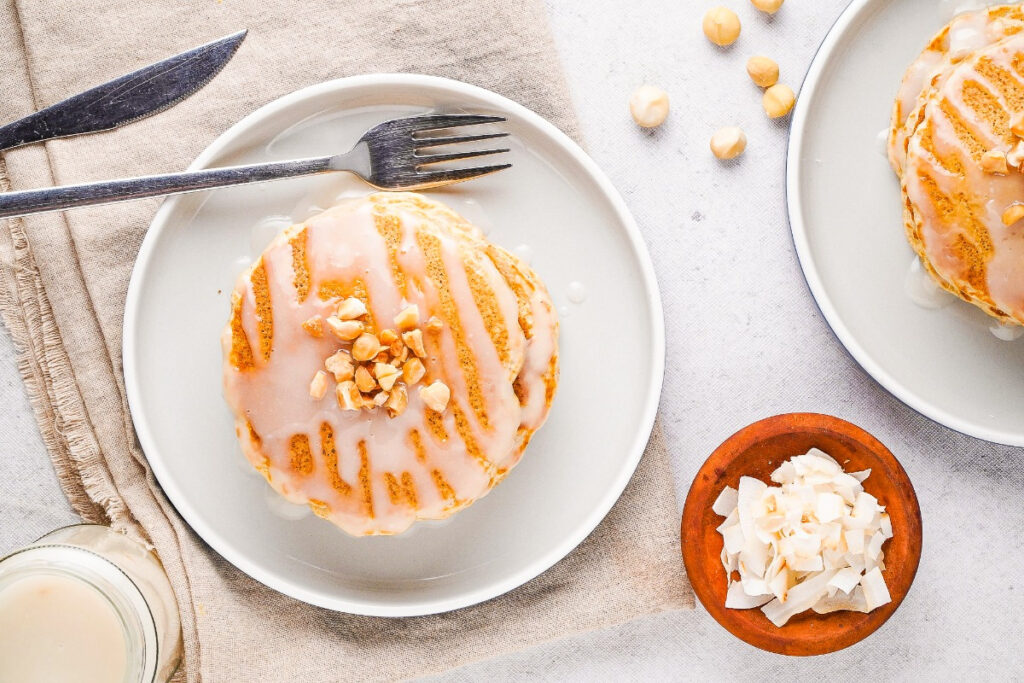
<point x="554" y="202"/>
<point x="846" y="215"/>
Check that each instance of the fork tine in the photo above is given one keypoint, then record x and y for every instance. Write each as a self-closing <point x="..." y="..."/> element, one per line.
<point x="422" y="143"/>
<point x="438" y="121"/>
<point x="424" y="159"/>
<point x="458" y="174"/>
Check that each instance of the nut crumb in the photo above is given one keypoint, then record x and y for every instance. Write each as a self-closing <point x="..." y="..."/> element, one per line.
<point x="346" y="330"/>
<point x="397" y="401"/>
<point x="414" y="340"/>
<point x="1013" y="214"/>
<point x="994" y="161"/>
<point x="365" y="380"/>
<point x="318" y="387"/>
<point x="413" y="371"/>
<point x="340" y="365"/>
<point x="436" y="396"/>
<point x="365" y="347"/>
<point x="315" y="326"/>
<point x="408" y="318"/>
<point x="351" y="308"/>
<point x="349" y="397"/>
<point x="386" y="375"/>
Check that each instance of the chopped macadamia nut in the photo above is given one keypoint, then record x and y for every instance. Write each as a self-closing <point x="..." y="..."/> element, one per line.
<point x="728" y="142"/>
<point x="397" y="401"/>
<point x="721" y="26"/>
<point x="408" y="318"/>
<point x="649" y="106"/>
<point x="1017" y="125"/>
<point x="346" y="330"/>
<point x="767" y="6"/>
<point x="380" y="398"/>
<point x="764" y="71"/>
<point x="315" y="326"/>
<point x="396" y="348"/>
<point x="434" y="324"/>
<point x="402" y="355"/>
<point x="413" y="371"/>
<point x="387" y="337"/>
<point x="349" y="397"/>
<point x="414" y="340"/>
<point x="340" y="365"/>
<point x="386" y="375"/>
<point x="778" y="100"/>
<point x="1015" y="157"/>
<point x="436" y="396"/>
<point x="365" y="380"/>
<point x="365" y="347"/>
<point x="994" y="161"/>
<point x="351" y="308"/>
<point x="318" y="387"/>
<point x="1013" y="214"/>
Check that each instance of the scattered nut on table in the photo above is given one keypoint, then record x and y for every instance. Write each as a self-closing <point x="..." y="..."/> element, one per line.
<point x="778" y="100"/>
<point x="728" y="142"/>
<point x="649" y="106"/>
<point x="767" y="6"/>
<point x="721" y="26"/>
<point x="764" y="71"/>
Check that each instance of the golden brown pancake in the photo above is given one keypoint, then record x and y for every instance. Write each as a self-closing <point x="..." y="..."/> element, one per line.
<point x="492" y="340"/>
<point x="956" y="41"/>
<point x="953" y="206"/>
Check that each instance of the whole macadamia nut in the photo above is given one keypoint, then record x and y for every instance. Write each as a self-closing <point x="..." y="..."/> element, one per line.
<point x="649" y="106"/>
<point x="721" y="26"/>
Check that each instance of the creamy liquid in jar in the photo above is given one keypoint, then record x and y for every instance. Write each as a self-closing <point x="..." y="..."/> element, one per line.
<point x="57" y="628"/>
<point x="85" y="603"/>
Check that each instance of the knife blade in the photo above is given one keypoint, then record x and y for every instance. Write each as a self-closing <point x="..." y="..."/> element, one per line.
<point x="129" y="98"/>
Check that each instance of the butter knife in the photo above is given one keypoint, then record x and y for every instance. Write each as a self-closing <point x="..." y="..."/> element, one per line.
<point x="129" y="98"/>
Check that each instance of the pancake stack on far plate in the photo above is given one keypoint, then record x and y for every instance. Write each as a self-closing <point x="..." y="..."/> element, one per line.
<point x="957" y="144"/>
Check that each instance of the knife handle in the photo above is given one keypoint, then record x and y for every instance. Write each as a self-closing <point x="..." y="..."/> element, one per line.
<point x="27" y="202"/>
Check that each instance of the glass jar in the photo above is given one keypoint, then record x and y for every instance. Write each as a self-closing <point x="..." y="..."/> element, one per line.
<point x="87" y="603"/>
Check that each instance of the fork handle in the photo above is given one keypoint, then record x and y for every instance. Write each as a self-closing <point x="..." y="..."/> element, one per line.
<point x="27" y="202"/>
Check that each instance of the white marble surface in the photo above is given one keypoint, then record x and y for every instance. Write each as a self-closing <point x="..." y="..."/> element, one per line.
<point x="745" y="342"/>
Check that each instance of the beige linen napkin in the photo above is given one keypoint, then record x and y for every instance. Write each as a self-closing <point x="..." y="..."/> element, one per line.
<point x="63" y="279"/>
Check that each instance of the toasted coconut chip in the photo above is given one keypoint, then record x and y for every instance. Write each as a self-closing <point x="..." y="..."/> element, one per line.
<point x="737" y="598"/>
<point x="813" y="541"/>
<point x="726" y="502"/>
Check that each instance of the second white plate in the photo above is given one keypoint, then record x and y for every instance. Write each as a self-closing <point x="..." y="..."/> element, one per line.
<point x="846" y="215"/>
<point x="554" y="207"/>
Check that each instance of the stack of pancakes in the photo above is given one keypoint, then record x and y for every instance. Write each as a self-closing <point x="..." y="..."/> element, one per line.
<point x="958" y="116"/>
<point x="494" y="346"/>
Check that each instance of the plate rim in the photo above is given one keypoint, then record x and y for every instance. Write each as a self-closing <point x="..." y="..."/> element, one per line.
<point x="811" y="84"/>
<point x="537" y="566"/>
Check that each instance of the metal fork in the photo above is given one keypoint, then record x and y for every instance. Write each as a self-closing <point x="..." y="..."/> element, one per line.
<point x="388" y="157"/>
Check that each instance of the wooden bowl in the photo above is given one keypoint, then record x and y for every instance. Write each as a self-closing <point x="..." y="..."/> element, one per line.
<point x="756" y="451"/>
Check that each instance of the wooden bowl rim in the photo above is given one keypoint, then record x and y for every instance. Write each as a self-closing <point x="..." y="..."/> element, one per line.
<point x="698" y="497"/>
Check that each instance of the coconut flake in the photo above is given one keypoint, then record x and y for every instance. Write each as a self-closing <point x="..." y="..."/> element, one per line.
<point x="737" y="598"/>
<point x="854" y="602"/>
<point x="726" y="502"/>
<point x="845" y="579"/>
<point x="811" y="542"/>
<point x="876" y="593"/>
